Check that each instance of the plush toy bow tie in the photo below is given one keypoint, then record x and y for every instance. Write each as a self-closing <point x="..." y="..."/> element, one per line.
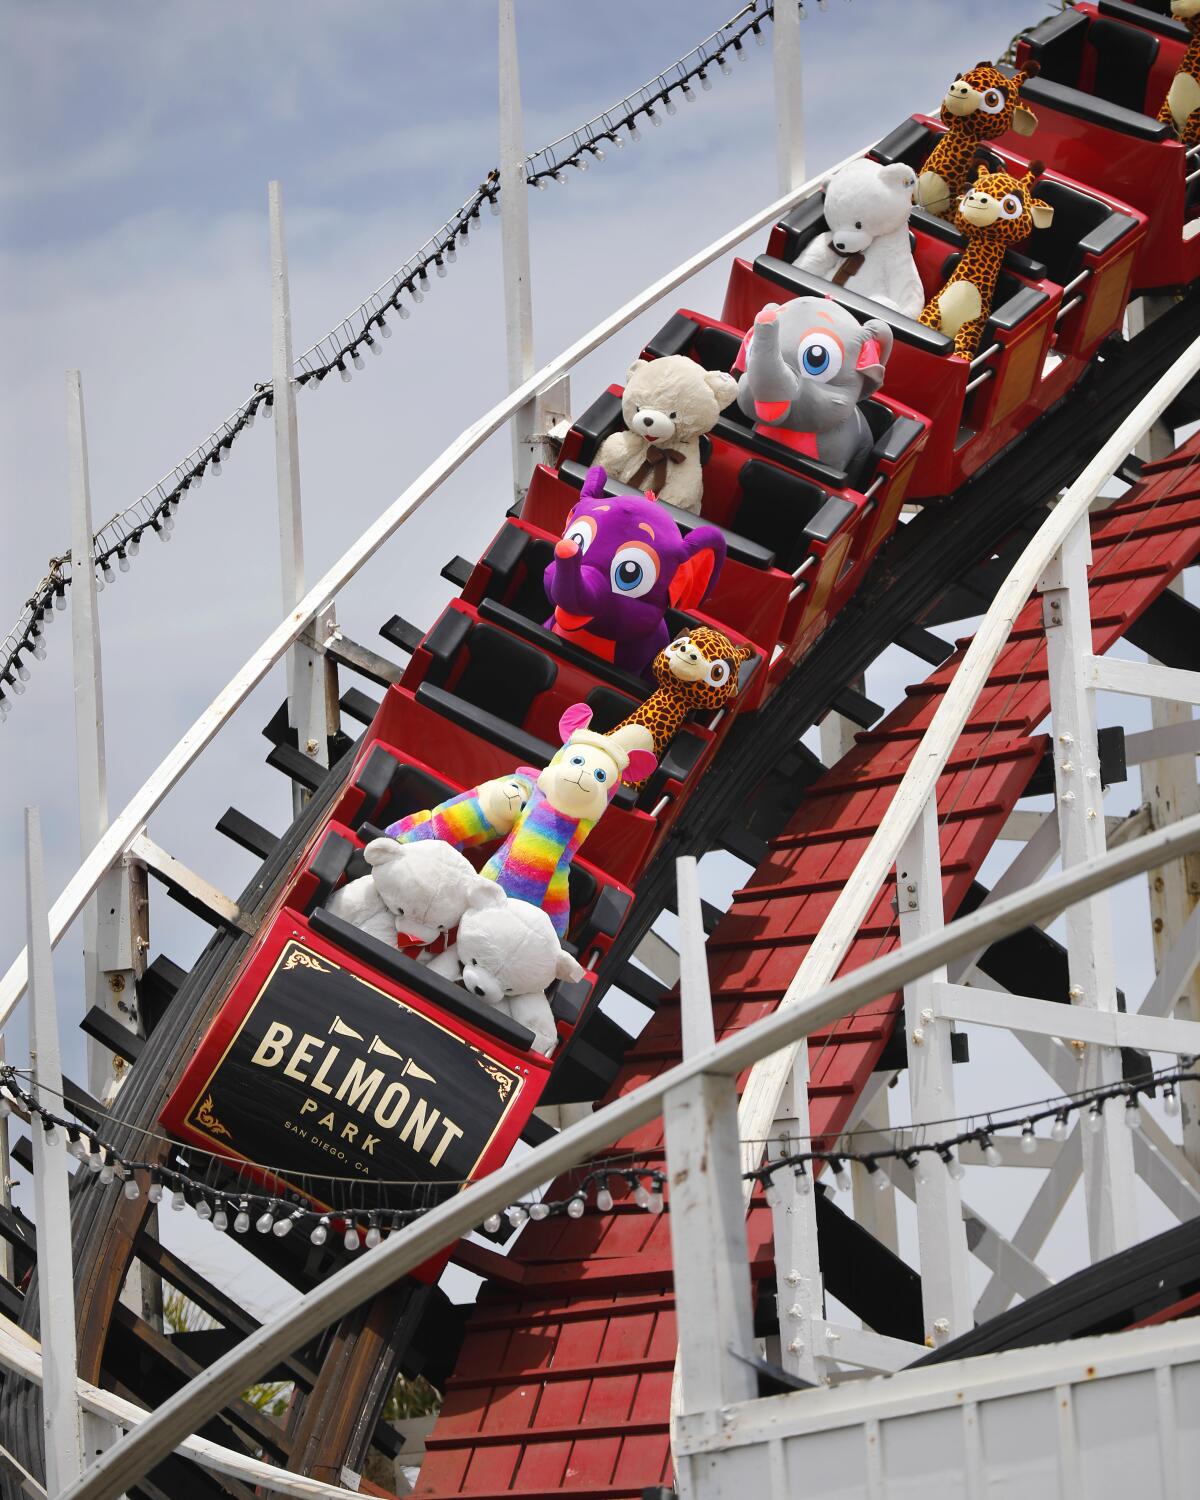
<point x="672" y="455"/>
<point x="851" y="265"/>
<point x="417" y="950"/>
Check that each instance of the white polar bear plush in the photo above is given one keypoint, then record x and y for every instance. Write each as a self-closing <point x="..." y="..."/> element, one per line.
<point x="414" y="895"/>
<point x="507" y="955"/>
<point x="668" y="406"/>
<point x="867" y="248"/>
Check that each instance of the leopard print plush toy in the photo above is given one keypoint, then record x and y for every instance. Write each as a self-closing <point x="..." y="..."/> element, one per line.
<point x="698" y="671"/>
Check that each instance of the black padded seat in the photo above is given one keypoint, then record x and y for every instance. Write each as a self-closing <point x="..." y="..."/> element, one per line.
<point x="775" y="508"/>
<point x="504" y="675"/>
<point x="1124" y="58"/>
<point x="716" y="349"/>
<point x="1153" y="15"/>
<point x="1057" y="45"/>
<point x="1081" y="223"/>
<point x="609" y="706"/>
<point x="805" y="284"/>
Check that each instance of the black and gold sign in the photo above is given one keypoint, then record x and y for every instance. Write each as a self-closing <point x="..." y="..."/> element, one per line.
<point x="327" y="1075"/>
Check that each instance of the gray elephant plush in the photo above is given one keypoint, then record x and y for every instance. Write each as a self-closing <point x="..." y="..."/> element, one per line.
<point x="806" y="367"/>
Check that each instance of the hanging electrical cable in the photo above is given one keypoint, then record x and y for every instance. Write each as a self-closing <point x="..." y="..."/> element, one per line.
<point x="342" y="349"/>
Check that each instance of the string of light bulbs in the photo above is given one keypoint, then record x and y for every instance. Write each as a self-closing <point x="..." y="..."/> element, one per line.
<point x="343" y="347"/>
<point x="362" y="1223"/>
<point x="357" y="1221"/>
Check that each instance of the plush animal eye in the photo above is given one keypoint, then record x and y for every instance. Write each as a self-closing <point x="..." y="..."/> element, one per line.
<point x="992" y="101"/>
<point x="399" y="911"/>
<point x="634" y="571"/>
<point x="582" y="531"/>
<point x="858" y="223"/>
<point x="1011" y="206"/>
<point x="820" y="356"/>
<point x="682" y="644"/>
<point x="717" y="674"/>
<point x="600" y="774"/>
<point x="674" y="415"/>
<point x="577" y="760"/>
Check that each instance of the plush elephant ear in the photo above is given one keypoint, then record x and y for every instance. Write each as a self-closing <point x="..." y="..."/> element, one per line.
<point x="873" y="354"/>
<point x="724" y="387"/>
<point x="381" y="851"/>
<point x="704" y="554"/>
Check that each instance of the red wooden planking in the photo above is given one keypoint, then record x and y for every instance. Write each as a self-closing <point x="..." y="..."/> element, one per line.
<point x="603" y="1361"/>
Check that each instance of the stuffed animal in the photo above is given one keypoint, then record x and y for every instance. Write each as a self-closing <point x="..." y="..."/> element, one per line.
<point x="998" y="211"/>
<point x="621" y="564"/>
<point x="697" y="671"/>
<point x="867" y="248"/>
<point x="807" y="364"/>
<point x="570" y="795"/>
<point x="415" y="895"/>
<point x="1181" y="108"/>
<point x="668" y="405"/>
<point x="508" y="955"/>
<point x="981" y="105"/>
<point x="481" y="816"/>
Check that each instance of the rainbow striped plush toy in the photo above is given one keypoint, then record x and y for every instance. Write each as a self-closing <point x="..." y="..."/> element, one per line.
<point x="469" y="820"/>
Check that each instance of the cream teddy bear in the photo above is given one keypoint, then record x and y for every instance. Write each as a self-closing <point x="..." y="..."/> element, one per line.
<point x="415" y="895"/>
<point x="668" y="405"/>
<point x="867" y="248"/>
<point x="507" y="955"/>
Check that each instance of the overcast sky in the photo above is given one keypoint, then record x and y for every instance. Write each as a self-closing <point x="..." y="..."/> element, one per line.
<point x="138" y="140"/>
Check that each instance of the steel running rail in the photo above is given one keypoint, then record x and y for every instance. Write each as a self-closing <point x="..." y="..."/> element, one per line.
<point x="124" y="829"/>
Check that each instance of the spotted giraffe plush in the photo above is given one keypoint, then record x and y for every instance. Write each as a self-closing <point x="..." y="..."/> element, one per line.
<point x="697" y="672"/>
<point x="1181" y="108"/>
<point x="981" y="105"/>
<point x="996" y="212"/>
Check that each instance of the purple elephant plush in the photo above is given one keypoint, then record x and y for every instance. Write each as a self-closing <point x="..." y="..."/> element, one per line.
<point x="621" y="564"/>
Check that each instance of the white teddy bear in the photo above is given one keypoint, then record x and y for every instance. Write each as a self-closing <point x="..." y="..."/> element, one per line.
<point x="416" y="891"/>
<point x="668" y="406"/>
<point x="507" y="955"/>
<point x="867" y="247"/>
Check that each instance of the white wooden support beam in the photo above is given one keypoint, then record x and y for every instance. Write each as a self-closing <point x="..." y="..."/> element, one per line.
<point x="110" y="966"/>
<point x="1176" y="736"/>
<point x="1111" y="674"/>
<point x="1039" y="853"/>
<point x="789" y="96"/>
<point x="865" y="1349"/>
<point x="1066" y="614"/>
<point x="960" y="1002"/>
<point x="514" y="246"/>
<point x="51" y="1183"/>
<point x="708" y="1219"/>
<point x="311" y="675"/>
<point x="172" y="871"/>
<point x="659" y="957"/>
<point x="798" y="1284"/>
<point x="945" y="1277"/>
<point x="1176" y="970"/>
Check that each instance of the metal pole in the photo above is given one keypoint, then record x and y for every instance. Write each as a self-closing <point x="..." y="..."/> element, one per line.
<point x="945" y="1270"/>
<point x="514" y="242"/>
<point x="1107" y="1150"/>
<point x="56" y="1286"/>
<point x="789" y="98"/>
<point x="110" y="964"/>
<point x="308" y="671"/>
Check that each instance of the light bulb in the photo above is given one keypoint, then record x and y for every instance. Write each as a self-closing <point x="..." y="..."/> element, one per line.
<point x="155" y="1192"/>
<point x="96" y="1159"/>
<point x="265" y="1221"/>
<point x="655" y="1206"/>
<point x="22" y="670"/>
<point x="132" y="1190"/>
<point x="1095" y="1116"/>
<point x="990" y="1154"/>
<point x="598" y="153"/>
<point x="80" y="1147"/>
<point x="1028" y="1138"/>
<point x="320" y="1231"/>
<point x="539" y="1211"/>
<point x="880" y="1178"/>
<point x="350" y="1238"/>
<point x="604" y="1200"/>
<point x="492" y="1223"/>
<point x="373" y="346"/>
<point x="282" y="1227"/>
<point x="451" y="253"/>
<point x="653" y="118"/>
<point x="952" y="1164"/>
<point x="1133" y="1113"/>
<point x="581" y="162"/>
<point x="640" y="1196"/>
<point x="920" y="1168"/>
<point x="220" y="1220"/>
<point x="248" y="419"/>
<point x="773" y="1196"/>
<point x="841" y="1177"/>
<point x="689" y="93"/>
<point x="343" y="371"/>
<point x="1170" y="1100"/>
<point x="135" y="545"/>
<point x="723" y="64"/>
<point x="494" y="203"/>
<point x="575" y="1208"/>
<point x="123" y="561"/>
<point x="1058" y="1131"/>
<point x="357" y="360"/>
<point x="215" y="465"/>
<point x="107" y="1174"/>
<point x="39" y="648"/>
<point x="385" y="328"/>
<point x="759" y="39"/>
<point x="705" y="83"/>
<point x="204" y="1209"/>
<point x="52" y="1136"/>
<point x="634" y="133"/>
<point x="403" y="311"/>
<point x="60" y="599"/>
<point x="439" y="265"/>
<point x="515" y="1215"/>
<point x="373" y="1234"/>
<point x="669" y="105"/>
<point x="178" y="1200"/>
<point x="803" y="1181"/>
<point x="107" y="569"/>
<point x="560" y="177"/>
